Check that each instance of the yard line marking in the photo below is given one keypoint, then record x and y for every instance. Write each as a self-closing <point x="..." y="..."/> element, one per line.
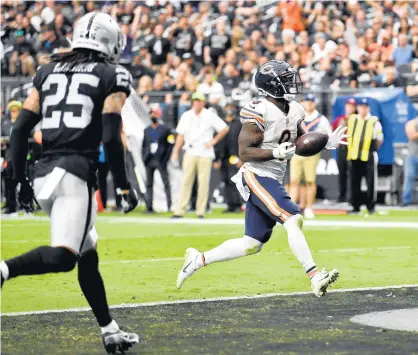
<point x="238" y="221"/>
<point x="203" y="300"/>
<point x="347" y="250"/>
<point x="139" y="261"/>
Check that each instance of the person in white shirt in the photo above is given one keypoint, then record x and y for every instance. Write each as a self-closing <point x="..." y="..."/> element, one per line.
<point x="213" y="89"/>
<point x="306" y="166"/>
<point x="196" y="130"/>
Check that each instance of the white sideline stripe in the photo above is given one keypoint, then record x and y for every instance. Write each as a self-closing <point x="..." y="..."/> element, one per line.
<point x="176" y="235"/>
<point x="236" y="221"/>
<point x="347" y="250"/>
<point x="203" y="300"/>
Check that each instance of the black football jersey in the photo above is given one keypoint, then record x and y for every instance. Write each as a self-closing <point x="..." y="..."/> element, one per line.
<point x="71" y="101"/>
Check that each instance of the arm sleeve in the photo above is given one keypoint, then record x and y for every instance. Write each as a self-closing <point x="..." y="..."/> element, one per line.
<point x="114" y="150"/>
<point x="249" y="115"/>
<point x="26" y="121"/>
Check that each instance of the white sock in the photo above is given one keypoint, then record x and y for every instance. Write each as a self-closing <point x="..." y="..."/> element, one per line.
<point x="231" y="249"/>
<point x="112" y="327"/>
<point x="298" y="244"/>
<point x="4" y="270"/>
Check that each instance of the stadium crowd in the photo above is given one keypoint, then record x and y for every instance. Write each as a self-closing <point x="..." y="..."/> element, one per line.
<point x="180" y="46"/>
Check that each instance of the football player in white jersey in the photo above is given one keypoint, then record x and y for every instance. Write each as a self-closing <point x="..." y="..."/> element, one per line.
<point x="270" y="127"/>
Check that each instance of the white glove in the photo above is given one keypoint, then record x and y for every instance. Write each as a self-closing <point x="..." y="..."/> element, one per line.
<point x="285" y="150"/>
<point x="336" y="138"/>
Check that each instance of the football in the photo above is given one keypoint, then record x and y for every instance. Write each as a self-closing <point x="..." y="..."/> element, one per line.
<point x="311" y="143"/>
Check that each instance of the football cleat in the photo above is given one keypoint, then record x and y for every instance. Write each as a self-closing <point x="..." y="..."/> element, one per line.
<point x="119" y="342"/>
<point x="322" y="280"/>
<point x="189" y="266"/>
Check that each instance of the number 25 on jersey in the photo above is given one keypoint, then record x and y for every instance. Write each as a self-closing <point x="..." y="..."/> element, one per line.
<point x="74" y="101"/>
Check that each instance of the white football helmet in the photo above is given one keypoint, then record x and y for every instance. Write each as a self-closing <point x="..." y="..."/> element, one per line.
<point x="100" y="32"/>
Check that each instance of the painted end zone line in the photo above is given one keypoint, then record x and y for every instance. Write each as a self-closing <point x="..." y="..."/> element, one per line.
<point x="202" y="300"/>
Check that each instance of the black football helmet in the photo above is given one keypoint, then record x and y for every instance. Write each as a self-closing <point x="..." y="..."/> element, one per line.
<point x="278" y="79"/>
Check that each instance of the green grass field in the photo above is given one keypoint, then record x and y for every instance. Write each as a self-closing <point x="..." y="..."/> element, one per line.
<point x="140" y="260"/>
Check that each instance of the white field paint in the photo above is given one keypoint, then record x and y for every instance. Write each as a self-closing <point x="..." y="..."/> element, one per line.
<point x="397" y="319"/>
<point x="232" y="221"/>
<point x="203" y="300"/>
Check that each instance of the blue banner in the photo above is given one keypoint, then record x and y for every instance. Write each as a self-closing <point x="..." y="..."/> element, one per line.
<point x="393" y="107"/>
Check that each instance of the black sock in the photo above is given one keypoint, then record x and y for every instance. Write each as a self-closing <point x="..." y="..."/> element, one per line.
<point x="91" y="284"/>
<point x="41" y="260"/>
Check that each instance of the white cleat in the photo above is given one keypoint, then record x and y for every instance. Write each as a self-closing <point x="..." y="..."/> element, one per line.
<point x="189" y="266"/>
<point x="308" y="213"/>
<point x="322" y="280"/>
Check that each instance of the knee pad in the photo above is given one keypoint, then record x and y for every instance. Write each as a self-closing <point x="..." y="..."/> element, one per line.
<point x="252" y="246"/>
<point x="296" y="221"/>
<point x="88" y="261"/>
<point x="63" y="259"/>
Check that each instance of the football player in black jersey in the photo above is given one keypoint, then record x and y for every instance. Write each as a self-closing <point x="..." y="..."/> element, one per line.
<point x="77" y="98"/>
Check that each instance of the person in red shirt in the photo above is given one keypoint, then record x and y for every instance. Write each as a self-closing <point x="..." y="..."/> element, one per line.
<point x="342" y="163"/>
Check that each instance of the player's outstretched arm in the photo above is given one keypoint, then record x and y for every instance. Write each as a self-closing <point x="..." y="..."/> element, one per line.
<point x="249" y="139"/>
<point x="113" y="145"/>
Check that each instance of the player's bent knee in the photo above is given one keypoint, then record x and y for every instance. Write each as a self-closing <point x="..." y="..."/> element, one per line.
<point x="63" y="259"/>
<point x="89" y="260"/>
<point x="296" y="221"/>
<point x="252" y="246"/>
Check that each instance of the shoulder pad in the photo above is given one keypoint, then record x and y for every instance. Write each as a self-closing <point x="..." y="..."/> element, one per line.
<point x="257" y="106"/>
<point x="254" y="111"/>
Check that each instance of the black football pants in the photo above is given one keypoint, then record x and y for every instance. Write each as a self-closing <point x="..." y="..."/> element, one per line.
<point x="150" y="169"/>
<point x="360" y="169"/>
<point x="342" y="164"/>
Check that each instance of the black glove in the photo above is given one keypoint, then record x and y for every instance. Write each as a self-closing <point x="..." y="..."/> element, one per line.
<point x="25" y="195"/>
<point x="129" y="199"/>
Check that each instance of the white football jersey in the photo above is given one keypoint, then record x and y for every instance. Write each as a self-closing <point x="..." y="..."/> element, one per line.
<point x="277" y="127"/>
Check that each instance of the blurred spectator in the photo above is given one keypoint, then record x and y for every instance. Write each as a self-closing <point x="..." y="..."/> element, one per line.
<point x="183" y="36"/>
<point x="21" y="61"/>
<point x="404" y="53"/>
<point x="411" y="163"/>
<point x="346" y="78"/>
<point x="50" y="43"/>
<point x="159" y="47"/>
<point x="390" y="79"/>
<point x="211" y="88"/>
<point x="157" y="146"/>
<point x="217" y="44"/>
<point x="291" y="13"/>
<point x="322" y="47"/>
<point x="229" y="78"/>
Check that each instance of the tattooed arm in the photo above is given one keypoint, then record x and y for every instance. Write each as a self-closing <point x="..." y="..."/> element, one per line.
<point x="249" y="139"/>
